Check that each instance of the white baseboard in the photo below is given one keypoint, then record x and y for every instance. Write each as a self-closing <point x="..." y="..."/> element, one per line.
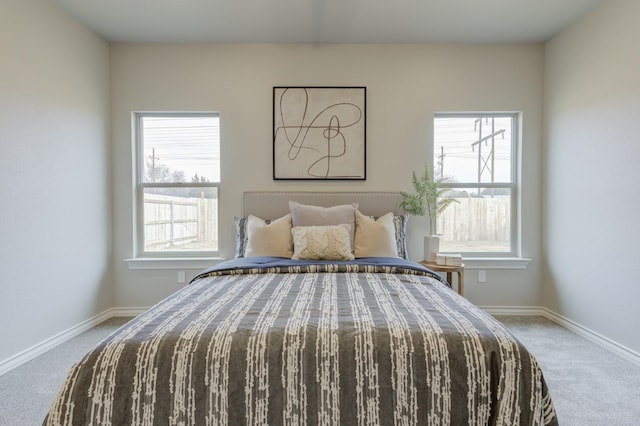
<point x="580" y="330"/>
<point x="42" y="347"/>
<point x="593" y="336"/>
<point x="50" y="343"/>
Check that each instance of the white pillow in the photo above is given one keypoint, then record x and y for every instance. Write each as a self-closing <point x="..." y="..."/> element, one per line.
<point x="375" y="238"/>
<point x="321" y="242"/>
<point x="308" y="215"/>
<point x="273" y="239"/>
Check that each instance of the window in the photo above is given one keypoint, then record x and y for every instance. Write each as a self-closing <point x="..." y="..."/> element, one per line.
<point x="475" y="155"/>
<point x="178" y="183"/>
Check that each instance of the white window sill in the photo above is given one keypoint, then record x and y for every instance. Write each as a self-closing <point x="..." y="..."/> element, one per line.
<point x="496" y="262"/>
<point x="177" y="263"/>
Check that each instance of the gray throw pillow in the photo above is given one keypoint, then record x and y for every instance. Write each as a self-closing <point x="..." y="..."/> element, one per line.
<point x="307" y="215"/>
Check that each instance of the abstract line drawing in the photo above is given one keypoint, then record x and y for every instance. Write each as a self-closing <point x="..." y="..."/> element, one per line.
<point x="319" y="133"/>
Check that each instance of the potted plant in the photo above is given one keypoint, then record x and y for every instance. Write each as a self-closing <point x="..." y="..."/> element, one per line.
<point x="429" y="199"/>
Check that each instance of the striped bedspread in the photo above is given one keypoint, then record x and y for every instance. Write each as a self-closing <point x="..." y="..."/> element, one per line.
<point x="363" y="344"/>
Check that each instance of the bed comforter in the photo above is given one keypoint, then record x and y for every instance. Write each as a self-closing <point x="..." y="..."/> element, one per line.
<point x="275" y="341"/>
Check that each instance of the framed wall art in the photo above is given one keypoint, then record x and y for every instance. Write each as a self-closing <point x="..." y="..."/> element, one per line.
<point x="319" y="133"/>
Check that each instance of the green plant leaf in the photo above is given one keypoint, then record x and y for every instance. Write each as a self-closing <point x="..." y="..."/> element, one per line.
<point x="429" y="199"/>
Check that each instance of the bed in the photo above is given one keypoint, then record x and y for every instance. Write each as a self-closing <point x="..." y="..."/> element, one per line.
<point x="365" y="340"/>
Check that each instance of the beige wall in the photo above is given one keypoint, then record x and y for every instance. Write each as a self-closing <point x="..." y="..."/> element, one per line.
<point x="55" y="131"/>
<point x="592" y="128"/>
<point x="406" y="84"/>
<point x="55" y="174"/>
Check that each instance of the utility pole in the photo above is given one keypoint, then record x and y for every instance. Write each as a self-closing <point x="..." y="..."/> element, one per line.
<point x="486" y="162"/>
<point x="441" y="162"/>
<point x="153" y="164"/>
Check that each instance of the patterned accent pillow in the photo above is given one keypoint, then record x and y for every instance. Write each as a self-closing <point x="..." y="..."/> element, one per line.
<point x="241" y="233"/>
<point x="321" y="243"/>
<point x="400" y="224"/>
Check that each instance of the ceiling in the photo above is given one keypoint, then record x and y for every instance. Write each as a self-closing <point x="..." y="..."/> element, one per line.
<point x="327" y="21"/>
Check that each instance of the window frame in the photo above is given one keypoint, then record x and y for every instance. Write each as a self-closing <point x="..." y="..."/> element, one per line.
<point x="141" y="185"/>
<point x="513" y="186"/>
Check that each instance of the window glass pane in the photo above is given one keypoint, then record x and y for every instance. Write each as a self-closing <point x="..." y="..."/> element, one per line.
<point x="180" y="219"/>
<point x="480" y="221"/>
<point x="470" y="149"/>
<point x="181" y="148"/>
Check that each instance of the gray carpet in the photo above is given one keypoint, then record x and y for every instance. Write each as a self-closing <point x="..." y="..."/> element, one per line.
<point x="589" y="385"/>
<point x="27" y="391"/>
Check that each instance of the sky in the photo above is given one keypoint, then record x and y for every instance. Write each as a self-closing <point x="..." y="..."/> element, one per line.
<point x="457" y="137"/>
<point x="190" y="144"/>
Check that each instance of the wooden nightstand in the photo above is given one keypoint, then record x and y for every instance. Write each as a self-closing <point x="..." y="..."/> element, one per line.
<point x="449" y="270"/>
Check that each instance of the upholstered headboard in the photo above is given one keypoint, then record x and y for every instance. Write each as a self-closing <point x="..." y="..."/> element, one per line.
<point x="273" y="204"/>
